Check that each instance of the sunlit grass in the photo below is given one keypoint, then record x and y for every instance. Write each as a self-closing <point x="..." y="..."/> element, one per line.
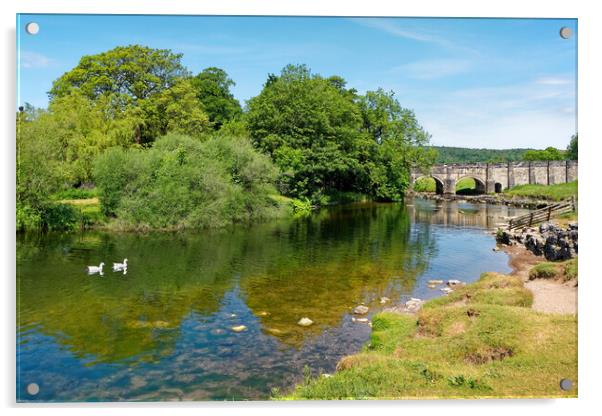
<point x="553" y="192"/>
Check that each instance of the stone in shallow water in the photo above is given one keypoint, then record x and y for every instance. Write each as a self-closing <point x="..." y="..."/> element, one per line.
<point x="360" y="320"/>
<point x="435" y="282"/>
<point x="263" y="313"/>
<point x="239" y="328"/>
<point x="361" y="310"/>
<point x="384" y="300"/>
<point x="305" y="322"/>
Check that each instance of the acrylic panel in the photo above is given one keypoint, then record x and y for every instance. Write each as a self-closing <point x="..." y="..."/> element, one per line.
<point x="274" y="208"/>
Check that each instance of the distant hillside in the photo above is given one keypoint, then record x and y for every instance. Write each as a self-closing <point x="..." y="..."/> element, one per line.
<point x="467" y="155"/>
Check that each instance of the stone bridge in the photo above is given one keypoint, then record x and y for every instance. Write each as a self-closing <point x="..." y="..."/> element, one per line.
<point x="495" y="177"/>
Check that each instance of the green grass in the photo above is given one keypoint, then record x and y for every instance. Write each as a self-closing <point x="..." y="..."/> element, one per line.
<point x="544" y="270"/>
<point x="551" y="192"/>
<point x="75" y="193"/>
<point x="566" y="270"/>
<point x="425" y="184"/>
<point x="482" y="341"/>
<point x="570" y="269"/>
<point x="466" y="186"/>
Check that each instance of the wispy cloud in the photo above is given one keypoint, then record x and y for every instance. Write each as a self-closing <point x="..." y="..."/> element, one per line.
<point x="433" y="68"/>
<point x="420" y="35"/>
<point x="34" y="60"/>
<point x="554" y="80"/>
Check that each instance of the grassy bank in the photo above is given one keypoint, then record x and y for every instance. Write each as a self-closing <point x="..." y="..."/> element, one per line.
<point x="552" y="192"/>
<point x="481" y="341"/>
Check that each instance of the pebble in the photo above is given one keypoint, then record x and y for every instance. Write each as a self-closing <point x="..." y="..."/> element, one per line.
<point x="435" y="282"/>
<point x="361" y="310"/>
<point x="305" y="322"/>
<point x="447" y="290"/>
<point x="360" y="320"/>
<point x="263" y="313"/>
<point x="239" y="328"/>
<point x="384" y="300"/>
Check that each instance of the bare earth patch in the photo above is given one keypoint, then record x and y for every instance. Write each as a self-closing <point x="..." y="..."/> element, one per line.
<point x="549" y="296"/>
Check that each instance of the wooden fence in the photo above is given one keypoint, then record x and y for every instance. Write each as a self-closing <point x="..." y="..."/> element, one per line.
<point x="543" y="214"/>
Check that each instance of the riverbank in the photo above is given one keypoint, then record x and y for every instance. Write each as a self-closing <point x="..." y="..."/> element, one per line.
<point x="503" y="336"/>
<point x="497" y="199"/>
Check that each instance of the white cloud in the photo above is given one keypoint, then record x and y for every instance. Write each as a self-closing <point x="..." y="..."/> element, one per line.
<point x="435" y="68"/>
<point x="554" y="81"/>
<point x="34" y="60"/>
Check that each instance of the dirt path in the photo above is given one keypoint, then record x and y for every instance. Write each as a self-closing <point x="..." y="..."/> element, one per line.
<point x="549" y="296"/>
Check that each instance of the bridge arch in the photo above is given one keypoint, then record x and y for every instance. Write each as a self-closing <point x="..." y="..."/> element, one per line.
<point x="480" y="186"/>
<point x="439" y="183"/>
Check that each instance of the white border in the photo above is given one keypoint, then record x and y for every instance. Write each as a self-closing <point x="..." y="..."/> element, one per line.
<point x="590" y="348"/>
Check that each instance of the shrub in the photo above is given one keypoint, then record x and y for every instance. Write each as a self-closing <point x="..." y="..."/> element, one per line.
<point x="183" y="182"/>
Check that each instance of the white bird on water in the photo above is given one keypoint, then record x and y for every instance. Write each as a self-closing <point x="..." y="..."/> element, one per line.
<point x="96" y="269"/>
<point x="117" y="267"/>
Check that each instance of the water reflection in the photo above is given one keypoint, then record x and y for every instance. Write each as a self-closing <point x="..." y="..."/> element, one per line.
<point x="162" y="331"/>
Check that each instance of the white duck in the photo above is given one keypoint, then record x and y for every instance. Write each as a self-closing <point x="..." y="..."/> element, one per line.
<point x="117" y="267"/>
<point x="96" y="269"/>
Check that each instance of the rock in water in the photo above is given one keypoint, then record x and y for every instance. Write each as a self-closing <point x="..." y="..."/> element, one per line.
<point x="384" y="300"/>
<point x="361" y="310"/>
<point x="360" y="320"/>
<point x="454" y="283"/>
<point x="435" y="282"/>
<point x="305" y="322"/>
<point x="239" y="328"/>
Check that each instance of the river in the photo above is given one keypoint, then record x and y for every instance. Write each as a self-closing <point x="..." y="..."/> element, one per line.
<point x="163" y="330"/>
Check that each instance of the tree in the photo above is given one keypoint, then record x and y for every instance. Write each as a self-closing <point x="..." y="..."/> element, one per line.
<point x="549" y="153"/>
<point x="148" y="87"/>
<point x="571" y="150"/>
<point x="326" y="139"/>
<point x="212" y="87"/>
<point x="136" y="71"/>
<point x="400" y="143"/>
<point x="311" y="129"/>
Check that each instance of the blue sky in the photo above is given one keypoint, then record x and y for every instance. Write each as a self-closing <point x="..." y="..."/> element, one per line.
<point x="495" y="83"/>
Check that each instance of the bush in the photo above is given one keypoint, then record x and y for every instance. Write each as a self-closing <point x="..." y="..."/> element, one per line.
<point x="183" y="182"/>
<point x="59" y="217"/>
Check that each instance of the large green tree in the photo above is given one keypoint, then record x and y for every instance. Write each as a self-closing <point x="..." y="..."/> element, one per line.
<point x="143" y="84"/>
<point x="399" y="140"/>
<point x="212" y="87"/>
<point x="136" y="71"/>
<point x="310" y="128"/>
<point x="326" y="139"/>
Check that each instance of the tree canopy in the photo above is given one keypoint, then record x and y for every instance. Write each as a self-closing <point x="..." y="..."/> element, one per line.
<point x="327" y="139"/>
<point x="212" y="86"/>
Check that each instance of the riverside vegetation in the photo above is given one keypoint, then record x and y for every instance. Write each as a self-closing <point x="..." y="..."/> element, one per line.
<point x="162" y="148"/>
<point x="482" y="340"/>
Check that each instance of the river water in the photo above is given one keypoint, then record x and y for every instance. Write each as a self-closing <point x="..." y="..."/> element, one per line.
<point x="163" y="330"/>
